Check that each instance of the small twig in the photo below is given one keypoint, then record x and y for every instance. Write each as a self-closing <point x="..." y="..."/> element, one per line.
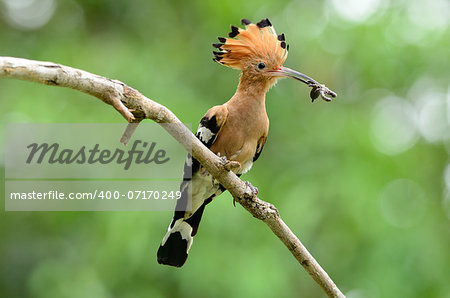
<point x="126" y="99"/>
<point x="129" y="131"/>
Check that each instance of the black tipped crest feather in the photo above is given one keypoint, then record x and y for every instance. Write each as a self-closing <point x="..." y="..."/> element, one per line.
<point x="246" y="22"/>
<point x="256" y="40"/>
<point x="234" y="31"/>
<point x="264" y="23"/>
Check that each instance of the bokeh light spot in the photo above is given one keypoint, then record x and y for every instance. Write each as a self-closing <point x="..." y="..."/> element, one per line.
<point x="430" y="14"/>
<point x="432" y="106"/>
<point x="432" y="117"/>
<point x="393" y="127"/>
<point x="356" y="10"/>
<point x="28" y="14"/>
<point x="402" y="203"/>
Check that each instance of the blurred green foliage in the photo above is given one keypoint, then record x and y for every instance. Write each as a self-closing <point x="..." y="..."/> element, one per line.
<point x="363" y="181"/>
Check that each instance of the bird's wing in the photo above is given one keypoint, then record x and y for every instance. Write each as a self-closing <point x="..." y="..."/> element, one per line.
<point x="211" y="125"/>
<point x="259" y="147"/>
<point x="207" y="132"/>
<point x="198" y="189"/>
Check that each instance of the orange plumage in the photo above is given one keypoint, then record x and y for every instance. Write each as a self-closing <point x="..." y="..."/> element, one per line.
<point x="256" y="41"/>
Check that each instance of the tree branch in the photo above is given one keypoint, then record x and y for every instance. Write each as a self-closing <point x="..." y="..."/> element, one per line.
<point x="134" y="107"/>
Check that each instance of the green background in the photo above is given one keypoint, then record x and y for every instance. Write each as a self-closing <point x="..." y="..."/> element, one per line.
<point x="363" y="181"/>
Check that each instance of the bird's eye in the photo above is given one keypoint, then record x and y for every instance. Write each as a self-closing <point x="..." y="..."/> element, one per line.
<point x="261" y="65"/>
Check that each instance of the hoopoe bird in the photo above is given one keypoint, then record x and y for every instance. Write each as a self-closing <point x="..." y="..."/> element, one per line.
<point x="236" y="130"/>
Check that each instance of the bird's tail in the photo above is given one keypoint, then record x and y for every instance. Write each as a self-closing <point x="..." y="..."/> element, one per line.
<point x="175" y="245"/>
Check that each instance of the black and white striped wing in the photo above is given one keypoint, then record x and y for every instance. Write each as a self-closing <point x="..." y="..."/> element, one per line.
<point x="207" y="132"/>
<point x="198" y="185"/>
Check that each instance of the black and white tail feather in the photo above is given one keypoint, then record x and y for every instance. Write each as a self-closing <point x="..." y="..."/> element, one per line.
<point x="197" y="190"/>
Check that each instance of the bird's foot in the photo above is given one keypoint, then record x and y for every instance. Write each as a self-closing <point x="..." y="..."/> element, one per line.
<point x="322" y="90"/>
<point x="253" y="189"/>
<point x="230" y="165"/>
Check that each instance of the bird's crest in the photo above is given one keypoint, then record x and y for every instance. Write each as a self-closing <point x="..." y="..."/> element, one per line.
<point x="255" y="41"/>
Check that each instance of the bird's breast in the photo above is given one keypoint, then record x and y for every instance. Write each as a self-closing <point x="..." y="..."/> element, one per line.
<point x="238" y="138"/>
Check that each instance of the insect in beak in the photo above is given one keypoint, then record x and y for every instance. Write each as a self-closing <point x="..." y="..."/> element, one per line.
<point x="317" y="88"/>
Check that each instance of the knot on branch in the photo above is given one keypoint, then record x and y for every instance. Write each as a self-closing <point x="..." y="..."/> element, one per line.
<point x="259" y="209"/>
<point x="51" y="82"/>
<point x="138" y="114"/>
<point x="268" y="211"/>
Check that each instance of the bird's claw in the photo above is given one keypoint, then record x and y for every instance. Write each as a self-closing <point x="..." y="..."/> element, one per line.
<point x="322" y="90"/>
<point x="229" y="165"/>
<point x="253" y="190"/>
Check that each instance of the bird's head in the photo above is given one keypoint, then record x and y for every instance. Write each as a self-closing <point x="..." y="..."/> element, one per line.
<point x="260" y="53"/>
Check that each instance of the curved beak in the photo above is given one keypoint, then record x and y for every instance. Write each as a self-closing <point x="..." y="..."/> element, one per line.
<point x="317" y="88"/>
